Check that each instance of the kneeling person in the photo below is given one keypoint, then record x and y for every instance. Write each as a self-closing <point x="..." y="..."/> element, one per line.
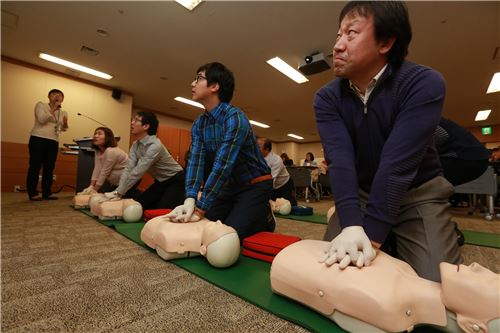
<point x="148" y="154"/>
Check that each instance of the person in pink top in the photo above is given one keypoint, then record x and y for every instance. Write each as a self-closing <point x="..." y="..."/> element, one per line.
<point x="110" y="161"/>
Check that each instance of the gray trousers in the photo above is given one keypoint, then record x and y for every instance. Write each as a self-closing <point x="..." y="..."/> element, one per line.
<point x="423" y="233"/>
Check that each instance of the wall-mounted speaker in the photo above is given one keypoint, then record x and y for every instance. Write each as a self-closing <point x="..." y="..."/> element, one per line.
<point x="116" y="94"/>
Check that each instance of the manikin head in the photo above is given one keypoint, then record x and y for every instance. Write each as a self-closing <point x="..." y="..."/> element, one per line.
<point x="281" y="206"/>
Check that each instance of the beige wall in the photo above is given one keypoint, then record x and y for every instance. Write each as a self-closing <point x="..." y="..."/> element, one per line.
<point x="297" y="151"/>
<point x="23" y="87"/>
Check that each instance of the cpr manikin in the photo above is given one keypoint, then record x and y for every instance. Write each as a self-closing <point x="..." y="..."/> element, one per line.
<point x="388" y="296"/>
<point x="127" y="209"/>
<point x="281" y="206"/>
<point x="81" y="199"/>
<point x="218" y="242"/>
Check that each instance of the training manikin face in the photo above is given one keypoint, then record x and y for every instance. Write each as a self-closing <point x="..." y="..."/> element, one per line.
<point x="281" y="206"/>
<point x="218" y="242"/>
<point x="388" y="294"/>
<point x="473" y="293"/>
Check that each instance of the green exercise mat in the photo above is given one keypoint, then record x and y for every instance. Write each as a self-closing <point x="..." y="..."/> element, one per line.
<point x="249" y="280"/>
<point x="315" y="218"/>
<point x="481" y="238"/>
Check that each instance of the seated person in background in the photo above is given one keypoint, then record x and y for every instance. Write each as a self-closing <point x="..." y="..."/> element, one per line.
<point x="109" y="163"/>
<point x="287" y="161"/>
<point x="309" y="161"/>
<point x="462" y="156"/>
<point x="148" y="154"/>
<point x="283" y="186"/>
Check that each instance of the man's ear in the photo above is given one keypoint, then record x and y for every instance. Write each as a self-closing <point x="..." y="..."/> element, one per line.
<point x="386" y="45"/>
<point x="214" y="87"/>
<point x="145" y="126"/>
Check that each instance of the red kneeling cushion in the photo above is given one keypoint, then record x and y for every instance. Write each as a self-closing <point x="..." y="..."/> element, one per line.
<point x="150" y="213"/>
<point x="265" y="245"/>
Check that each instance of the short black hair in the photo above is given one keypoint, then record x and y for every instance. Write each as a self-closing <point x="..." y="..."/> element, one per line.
<point x="149" y="118"/>
<point x="268" y="145"/>
<point x="215" y="72"/>
<point x="311" y="154"/>
<point x="391" y="19"/>
<point x="54" y="91"/>
<point x="109" y="138"/>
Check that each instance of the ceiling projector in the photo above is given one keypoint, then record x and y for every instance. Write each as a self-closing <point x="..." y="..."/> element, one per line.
<point x="313" y="64"/>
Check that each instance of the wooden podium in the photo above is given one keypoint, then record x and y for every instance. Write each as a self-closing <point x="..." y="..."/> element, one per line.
<point x="85" y="164"/>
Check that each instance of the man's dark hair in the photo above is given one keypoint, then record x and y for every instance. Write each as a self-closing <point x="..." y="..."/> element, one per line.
<point x="390" y="20"/>
<point x="268" y="145"/>
<point x="109" y="138"/>
<point x="215" y="72"/>
<point x="53" y="91"/>
<point x="149" y="118"/>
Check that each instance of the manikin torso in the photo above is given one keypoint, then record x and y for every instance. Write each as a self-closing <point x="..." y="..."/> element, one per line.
<point x="386" y="296"/>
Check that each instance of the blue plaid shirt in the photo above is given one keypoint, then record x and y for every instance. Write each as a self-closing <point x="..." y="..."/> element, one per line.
<point x="223" y="149"/>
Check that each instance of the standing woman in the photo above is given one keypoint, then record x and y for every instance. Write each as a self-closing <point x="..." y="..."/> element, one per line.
<point x="110" y="161"/>
<point x="50" y="120"/>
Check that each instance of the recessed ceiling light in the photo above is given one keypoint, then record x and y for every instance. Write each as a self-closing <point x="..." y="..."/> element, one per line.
<point x="102" y="33"/>
<point x="494" y="84"/>
<point x="256" y="123"/>
<point x="190" y="102"/>
<point x="482" y="115"/>
<point x="295" y="136"/>
<point x="72" y="65"/>
<point x="288" y="70"/>
<point x="189" y="4"/>
<point x="164" y="78"/>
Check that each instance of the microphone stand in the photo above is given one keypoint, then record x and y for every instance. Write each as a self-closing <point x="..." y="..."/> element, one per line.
<point x="80" y="114"/>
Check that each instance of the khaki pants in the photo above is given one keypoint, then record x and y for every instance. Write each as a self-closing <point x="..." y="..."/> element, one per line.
<point x="423" y="233"/>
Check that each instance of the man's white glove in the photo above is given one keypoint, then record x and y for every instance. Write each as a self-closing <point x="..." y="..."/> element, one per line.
<point x="350" y="246"/>
<point x="184" y="212"/>
<point x="113" y="196"/>
<point x="88" y="190"/>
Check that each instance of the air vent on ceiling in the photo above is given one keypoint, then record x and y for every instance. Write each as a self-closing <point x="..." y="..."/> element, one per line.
<point x="9" y="20"/>
<point x="72" y="72"/>
<point x="89" y="50"/>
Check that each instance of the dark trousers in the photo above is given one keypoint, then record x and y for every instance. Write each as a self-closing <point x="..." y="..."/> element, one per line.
<point x="286" y="191"/>
<point x="167" y="194"/>
<point x="43" y="154"/>
<point x="243" y="207"/>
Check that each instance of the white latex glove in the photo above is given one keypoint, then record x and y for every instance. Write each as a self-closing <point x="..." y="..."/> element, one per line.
<point x="184" y="212"/>
<point x="88" y="190"/>
<point x="113" y="196"/>
<point x="350" y="246"/>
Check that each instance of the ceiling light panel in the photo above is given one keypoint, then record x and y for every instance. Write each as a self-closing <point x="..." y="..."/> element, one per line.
<point x="295" y="136"/>
<point x="189" y="4"/>
<point x="482" y="115"/>
<point x="256" y="123"/>
<point x="72" y="65"/>
<point x="288" y="70"/>
<point x="494" y="84"/>
<point x="189" y="101"/>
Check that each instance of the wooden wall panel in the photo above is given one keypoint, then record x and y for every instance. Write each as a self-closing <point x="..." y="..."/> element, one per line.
<point x="15" y="161"/>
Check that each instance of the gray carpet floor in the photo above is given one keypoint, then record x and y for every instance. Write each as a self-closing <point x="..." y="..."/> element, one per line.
<point x="64" y="272"/>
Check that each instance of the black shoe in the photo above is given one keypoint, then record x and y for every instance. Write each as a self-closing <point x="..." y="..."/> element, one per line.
<point x="460" y="235"/>
<point x="50" y="197"/>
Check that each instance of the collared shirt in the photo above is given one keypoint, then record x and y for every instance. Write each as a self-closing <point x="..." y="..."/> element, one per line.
<point x="373" y="83"/>
<point x="223" y="149"/>
<point x="48" y="126"/>
<point x="278" y="170"/>
<point x="148" y="155"/>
